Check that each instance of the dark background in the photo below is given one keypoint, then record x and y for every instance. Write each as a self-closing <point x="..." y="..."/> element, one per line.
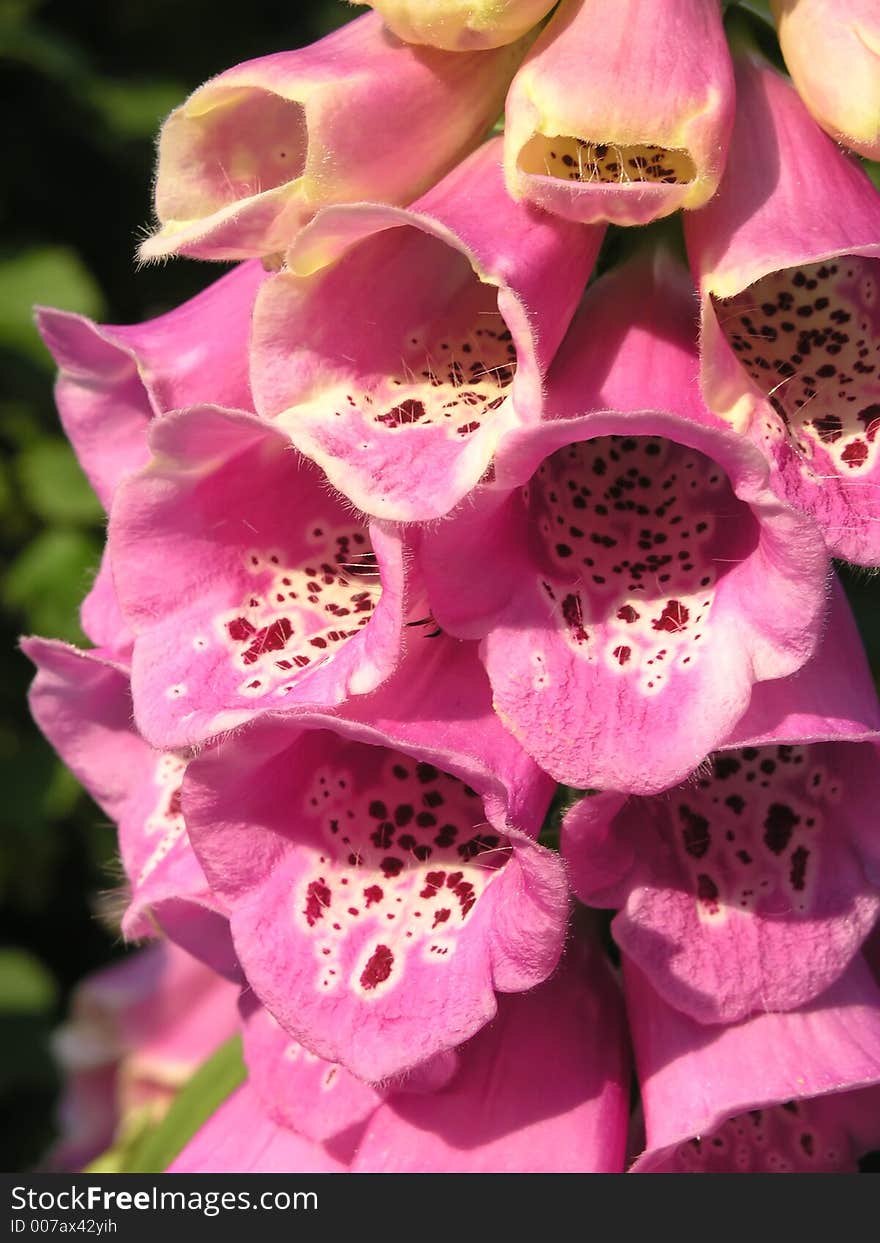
<point x="85" y="85"/>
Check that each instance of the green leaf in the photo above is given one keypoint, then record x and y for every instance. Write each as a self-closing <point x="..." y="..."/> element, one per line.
<point x="45" y="275"/>
<point x="48" y="580"/>
<point x="54" y="485"/>
<point x="213" y="1082"/>
<point x="26" y="986"/>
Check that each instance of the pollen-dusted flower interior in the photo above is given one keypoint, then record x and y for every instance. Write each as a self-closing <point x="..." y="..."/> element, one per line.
<point x="582" y="160"/>
<point x="633" y="534"/>
<point x="810" y="339"/>
<point x="232" y="144"/>
<point x="786" y="1139"/>
<point x="405" y="854"/>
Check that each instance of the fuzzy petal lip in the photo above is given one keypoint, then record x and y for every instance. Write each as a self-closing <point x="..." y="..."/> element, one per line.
<point x="615" y="85"/>
<point x="460" y="25"/>
<point x="803" y="215"/>
<point x="679" y="867"/>
<point x="216" y="641"/>
<point x="832" y="51"/>
<point x="485" y="575"/>
<point x="253" y="153"/>
<point x="422" y="273"/>
<point x="119" y="376"/>
<point x="511" y="941"/>
<point x="694" y="1078"/>
<point x="81" y="701"/>
<point x="499" y="1115"/>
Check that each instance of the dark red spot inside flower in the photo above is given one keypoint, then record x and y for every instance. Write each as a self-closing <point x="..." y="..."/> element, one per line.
<point x="779" y="826"/>
<point x="317" y="900"/>
<point x="372" y="895"/>
<point x="673" y="617"/>
<point x="378" y="967"/>
<point x="695" y="832"/>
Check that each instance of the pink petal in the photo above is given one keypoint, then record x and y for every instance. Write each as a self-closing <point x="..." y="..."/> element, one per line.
<point x="753" y="885"/>
<point x="622" y="111"/>
<point x="248" y="584"/>
<point x="114" y="378"/>
<point x="632" y="558"/>
<point x="832" y="51"/>
<point x="253" y="154"/>
<point x="469" y="295"/>
<point x="82" y="703"/>
<point x="239" y="1138"/>
<point x="383" y="881"/>
<point x="543" y="1089"/>
<point x="776" y="1093"/>
<point x="788" y="261"/>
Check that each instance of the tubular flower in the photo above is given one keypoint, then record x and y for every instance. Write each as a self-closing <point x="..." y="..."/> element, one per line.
<point x="114" y="379"/>
<point x="254" y="153"/>
<point x="786" y="256"/>
<point x="135" y="1033"/>
<point x="247" y="583"/>
<point x="543" y="1088"/>
<point x="461" y="25"/>
<point x="468" y="296"/>
<point x="622" y="110"/>
<point x="774" y="1094"/>
<point x="82" y="703"/>
<point x="765" y="857"/>
<point x="629" y="571"/>
<point x="383" y="882"/>
<point x="832" y="51"/>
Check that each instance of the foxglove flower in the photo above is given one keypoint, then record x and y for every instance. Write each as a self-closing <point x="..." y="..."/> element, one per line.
<point x="832" y="51"/>
<point x="462" y="302"/>
<point x="786" y="256"/>
<point x="774" y="1094"/>
<point x="629" y="571"/>
<point x="380" y="864"/>
<point x="82" y="703"/>
<point x="542" y="1088"/>
<point x="114" y="379"/>
<point x="622" y="110"/>
<point x="765" y="858"/>
<point x="247" y="583"/>
<point x="241" y="1138"/>
<point x="253" y="153"/>
<point x="460" y="25"/>
<point x="136" y="1031"/>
